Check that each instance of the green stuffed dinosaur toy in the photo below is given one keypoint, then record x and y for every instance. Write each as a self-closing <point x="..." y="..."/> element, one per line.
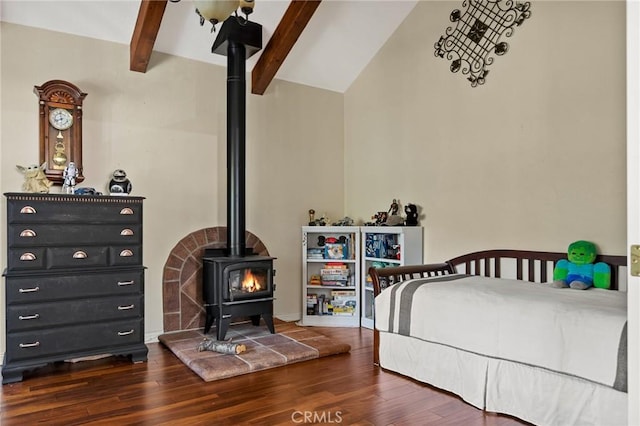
<point x="579" y="271"/>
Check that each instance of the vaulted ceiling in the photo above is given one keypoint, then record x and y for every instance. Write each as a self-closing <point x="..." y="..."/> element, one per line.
<point x="320" y="43"/>
<point x="286" y="34"/>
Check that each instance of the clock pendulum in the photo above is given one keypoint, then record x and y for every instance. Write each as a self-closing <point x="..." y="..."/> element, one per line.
<point x="61" y="119"/>
<point x="60" y="157"/>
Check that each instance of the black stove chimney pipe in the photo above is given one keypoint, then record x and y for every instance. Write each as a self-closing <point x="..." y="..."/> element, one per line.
<point x="236" y="148"/>
<point x="238" y="39"/>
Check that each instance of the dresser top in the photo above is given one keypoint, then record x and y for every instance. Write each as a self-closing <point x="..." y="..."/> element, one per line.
<point x="32" y="196"/>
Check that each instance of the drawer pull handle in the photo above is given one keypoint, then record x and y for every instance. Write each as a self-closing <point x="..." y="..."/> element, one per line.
<point x="27" y="257"/>
<point x="126" y="308"/>
<point x="27" y="210"/>
<point x="126" y="253"/>
<point x="29" y="290"/>
<point x="125" y="333"/>
<point x="80" y="255"/>
<point x="29" y="345"/>
<point x="28" y="317"/>
<point x="28" y="233"/>
<point x="126" y="232"/>
<point x="126" y="210"/>
<point x="124" y="283"/>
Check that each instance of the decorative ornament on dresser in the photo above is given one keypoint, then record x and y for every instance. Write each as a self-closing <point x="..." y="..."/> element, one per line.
<point x="119" y="183"/>
<point x="34" y="178"/>
<point x="70" y="176"/>
<point x="60" y="119"/>
<point x="477" y="33"/>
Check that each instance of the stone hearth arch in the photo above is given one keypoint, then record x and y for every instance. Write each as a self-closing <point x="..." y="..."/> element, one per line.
<point x="182" y="276"/>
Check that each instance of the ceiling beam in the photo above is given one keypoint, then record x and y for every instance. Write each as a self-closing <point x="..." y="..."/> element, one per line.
<point x="293" y="22"/>
<point x="145" y="33"/>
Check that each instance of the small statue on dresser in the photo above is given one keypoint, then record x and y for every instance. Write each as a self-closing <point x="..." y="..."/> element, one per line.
<point x="34" y="178"/>
<point x="70" y="174"/>
<point x="119" y="184"/>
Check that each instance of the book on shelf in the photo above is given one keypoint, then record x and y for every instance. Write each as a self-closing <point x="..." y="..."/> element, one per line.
<point x="339" y="293"/>
<point x="335" y="283"/>
<point x="315" y="253"/>
<point x="344" y="302"/>
<point x="335" y="265"/>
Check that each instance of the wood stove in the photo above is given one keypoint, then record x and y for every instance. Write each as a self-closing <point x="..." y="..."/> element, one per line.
<point x="237" y="287"/>
<point x="235" y="282"/>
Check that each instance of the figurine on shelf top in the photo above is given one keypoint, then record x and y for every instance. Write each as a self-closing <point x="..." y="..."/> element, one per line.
<point x="316" y="222"/>
<point x="119" y="184"/>
<point x="345" y="221"/>
<point x="70" y="174"/>
<point x="34" y="178"/>
<point x="393" y="218"/>
<point x="412" y="214"/>
<point x="393" y="209"/>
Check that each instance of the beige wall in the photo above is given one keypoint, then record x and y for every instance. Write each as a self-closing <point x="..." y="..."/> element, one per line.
<point x="166" y="129"/>
<point x="533" y="159"/>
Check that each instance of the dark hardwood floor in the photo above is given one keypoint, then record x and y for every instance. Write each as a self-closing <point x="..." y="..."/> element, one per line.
<point x="343" y="389"/>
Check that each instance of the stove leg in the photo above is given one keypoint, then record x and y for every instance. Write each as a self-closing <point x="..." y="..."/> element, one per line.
<point x="223" y="325"/>
<point x="255" y="320"/>
<point x="268" y="319"/>
<point x="208" y="322"/>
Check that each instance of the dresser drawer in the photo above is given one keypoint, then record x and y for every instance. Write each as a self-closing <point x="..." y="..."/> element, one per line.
<point x="73" y="209"/>
<point x="67" y="340"/>
<point x="77" y="257"/>
<point x="44" y="288"/>
<point x="37" y="235"/>
<point x="75" y="311"/>
<point x="125" y="255"/>
<point x="26" y="259"/>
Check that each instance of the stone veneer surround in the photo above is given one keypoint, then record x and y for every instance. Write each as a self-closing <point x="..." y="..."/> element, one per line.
<point x="182" y="276"/>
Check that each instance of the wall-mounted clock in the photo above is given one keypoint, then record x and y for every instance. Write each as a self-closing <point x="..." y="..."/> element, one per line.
<point x="60" y="118"/>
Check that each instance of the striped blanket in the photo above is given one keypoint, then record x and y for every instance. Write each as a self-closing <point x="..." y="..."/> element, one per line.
<point x="582" y="333"/>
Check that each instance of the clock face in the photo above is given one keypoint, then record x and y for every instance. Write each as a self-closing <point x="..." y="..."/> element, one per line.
<point x="60" y="118"/>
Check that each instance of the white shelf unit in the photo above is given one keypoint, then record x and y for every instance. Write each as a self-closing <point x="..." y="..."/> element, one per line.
<point x="384" y="246"/>
<point x="338" y="304"/>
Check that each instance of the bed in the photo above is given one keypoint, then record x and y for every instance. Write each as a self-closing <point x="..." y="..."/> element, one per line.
<point x="488" y="327"/>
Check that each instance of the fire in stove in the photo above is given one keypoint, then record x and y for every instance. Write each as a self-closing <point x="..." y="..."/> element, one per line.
<point x="250" y="282"/>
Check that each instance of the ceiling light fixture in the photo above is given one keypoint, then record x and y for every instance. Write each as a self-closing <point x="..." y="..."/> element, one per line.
<point x="215" y="11"/>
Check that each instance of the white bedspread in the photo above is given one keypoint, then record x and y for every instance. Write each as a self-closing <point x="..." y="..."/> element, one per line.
<point x="581" y="333"/>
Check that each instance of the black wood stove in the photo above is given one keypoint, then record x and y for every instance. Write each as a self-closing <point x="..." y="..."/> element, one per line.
<point x="237" y="283"/>
<point x="237" y="287"/>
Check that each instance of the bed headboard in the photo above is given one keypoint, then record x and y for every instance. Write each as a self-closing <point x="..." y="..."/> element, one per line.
<point x="526" y="265"/>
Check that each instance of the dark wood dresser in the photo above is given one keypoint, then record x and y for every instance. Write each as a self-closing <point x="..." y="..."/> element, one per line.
<point x="74" y="279"/>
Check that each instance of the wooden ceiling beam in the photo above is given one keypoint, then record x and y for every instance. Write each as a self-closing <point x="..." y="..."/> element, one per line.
<point x="145" y="33"/>
<point x="284" y="37"/>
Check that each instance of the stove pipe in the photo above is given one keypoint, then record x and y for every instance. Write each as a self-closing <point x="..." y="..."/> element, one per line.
<point x="238" y="39"/>
<point x="236" y="148"/>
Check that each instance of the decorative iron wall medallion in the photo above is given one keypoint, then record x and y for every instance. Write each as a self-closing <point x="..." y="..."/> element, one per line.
<point x="477" y="35"/>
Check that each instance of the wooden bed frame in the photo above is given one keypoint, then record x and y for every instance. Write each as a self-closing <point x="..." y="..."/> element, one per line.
<point x="533" y="266"/>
